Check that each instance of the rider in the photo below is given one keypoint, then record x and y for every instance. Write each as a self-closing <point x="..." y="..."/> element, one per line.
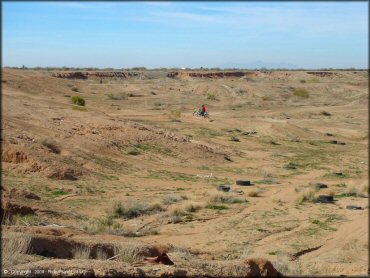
<point x="204" y="110"/>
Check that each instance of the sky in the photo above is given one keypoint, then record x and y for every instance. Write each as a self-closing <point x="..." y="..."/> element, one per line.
<point x="184" y="34"/>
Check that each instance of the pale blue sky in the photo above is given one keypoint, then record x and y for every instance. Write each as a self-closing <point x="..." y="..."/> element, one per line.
<point x="184" y="34"/>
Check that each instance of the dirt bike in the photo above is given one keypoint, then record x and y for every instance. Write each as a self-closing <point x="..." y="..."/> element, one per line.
<point x="198" y="113"/>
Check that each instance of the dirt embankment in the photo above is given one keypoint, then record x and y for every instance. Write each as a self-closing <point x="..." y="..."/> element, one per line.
<point x="95" y="74"/>
<point x="213" y="75"/>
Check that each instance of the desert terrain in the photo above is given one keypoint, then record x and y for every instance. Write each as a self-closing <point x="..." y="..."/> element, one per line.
<point x="103" y="170"/>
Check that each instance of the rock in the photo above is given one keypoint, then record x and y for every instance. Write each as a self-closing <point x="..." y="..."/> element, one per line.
<point x="235" y="139"/>
<point x="226" y="157"/>
<point x="321" y="185"/>
<point x="353" y="207"/>
<point x="325" y="113"/>
<point x="243" y="182"/>
<point x="333" y="142"/>
<point x="339" y="173"/>
<point x="324" y="199"/>
<point x="223" y="187"/>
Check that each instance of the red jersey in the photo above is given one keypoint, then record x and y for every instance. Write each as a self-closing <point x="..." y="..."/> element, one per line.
<point x="203" y="109"/>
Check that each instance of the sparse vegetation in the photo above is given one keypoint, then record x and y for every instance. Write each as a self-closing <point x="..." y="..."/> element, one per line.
<point x="307" y="195"/>
<point x="51" y="145"/>
<point x="300" y="92"/>
<point x="14" y="246"/>
<point x="217" y="207"/>
<point x="81" y="253"/>
<point x="78" y="100"/>
<point x="134" y="209"/>
<point x="211" y="96"/>
<point x="129" y="253"/>
<point x="173" y="198"/>
<point x="117" y="96"/>
<point x="214" y="197"/>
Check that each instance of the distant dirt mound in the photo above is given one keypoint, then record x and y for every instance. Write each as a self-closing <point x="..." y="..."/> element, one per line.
<point x="211" y="75"/>
<point x="322" y="73"/>
<point x="9" y="209"/>
<point x="95" y="74"/>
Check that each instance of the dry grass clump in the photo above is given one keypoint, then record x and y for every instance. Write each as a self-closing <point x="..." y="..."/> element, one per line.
<point x="14" y="245"/>
<point x="81" y="253"/>
<point x="51" y="145"/>
<point x="129" y="253"/>
<point x="101" y="254"/>
<point x="134" y="209"/>
<point x="173" y="198"/>
<point x="214" y="197"/>
<point x="118" y="96"/>
<point x="307" y="195"/>
<point x="256" y="192"/>
<point x="192" y="207"/>
<point x="355" y="191"/>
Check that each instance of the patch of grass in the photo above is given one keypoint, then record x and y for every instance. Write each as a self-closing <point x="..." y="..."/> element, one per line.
<point x="129" y="253"/>
<point x="173" y="198"/>
<point x="117" y="96"/>
<point x="178" y="215"/>
<point x="291" y="166"/>
<point x="209" y="133"/>
<point x="217" y="207"/>
<point x="58" y="192"/>
<point x="300" y="92"/>
<point x="265" y="98"/>
<point x="155" y="148"/>
<point x="81" y="253"/>
<point x="78" y="100"/>
<point x="307" y="195"/>
<point x="26" y="220"/>
<point x="14" y="246"/>
<point x="79" y="108"/>
<point x="175" y="176"/>
<point x="325" y="224"/>
<point x="211" y="96"/>
<point x="133" y="151"/>
<point x="214" y="197"/>
<point x="175" y="115"/>
<point x="133" y="209"/>
<point x="51" y="145"/>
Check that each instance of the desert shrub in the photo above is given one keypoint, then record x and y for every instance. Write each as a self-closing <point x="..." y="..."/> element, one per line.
<point x="178" y="215"/>
<point x="354" y="191"/>
<point x="134" y="209"/>
<point x="255" y="192"/>
<point x="307" y="195"/>
<point x="223" y="198"/>
<point x="75" y="89"/>
<point x="50" y="144"/>
<point x="173" y="198"/>
<point x="300" y="92"/>
<point x="81" y="253"/>
<point x="211" y="96"/>
<point x="101" y="254"/>
<point x="191" y="207"/>
<point x="14" y="245"/>
<point x="78" y="100"/>
<point x="302" y="81"/>
<point x="128" y="253"/>
<point x="119" y="96"/>
<point x="217" y="207"/>
<point x="265" y="98"/>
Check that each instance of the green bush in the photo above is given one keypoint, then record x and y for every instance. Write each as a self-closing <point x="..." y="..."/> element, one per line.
<point x="78" y="100"/>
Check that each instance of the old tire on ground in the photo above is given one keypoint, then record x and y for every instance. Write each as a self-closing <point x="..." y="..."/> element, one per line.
<point x="325" y="199"/>
<point x="353" y="207"/>
<point x="243" y="182"/>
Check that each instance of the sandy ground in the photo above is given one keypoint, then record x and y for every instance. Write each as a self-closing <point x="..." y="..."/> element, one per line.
<point x="137" y="142"/>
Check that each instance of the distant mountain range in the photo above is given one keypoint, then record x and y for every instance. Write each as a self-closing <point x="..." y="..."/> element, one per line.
<point x="258" y="65"/>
